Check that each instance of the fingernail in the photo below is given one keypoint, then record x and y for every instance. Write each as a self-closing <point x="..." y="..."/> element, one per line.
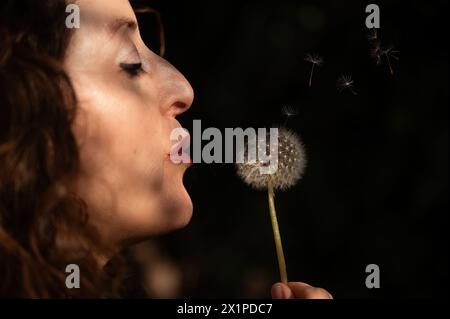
<point x="278" y="292"/>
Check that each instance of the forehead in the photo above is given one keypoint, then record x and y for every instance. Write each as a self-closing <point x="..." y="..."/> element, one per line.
<point x="106" y="14"/>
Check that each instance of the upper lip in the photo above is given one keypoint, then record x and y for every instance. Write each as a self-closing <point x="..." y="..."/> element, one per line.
<point x="185" y="140"/>
<point x="181" y="145"/>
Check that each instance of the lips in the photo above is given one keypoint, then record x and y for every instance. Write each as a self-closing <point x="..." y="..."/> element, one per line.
<point x="179" y="152"/>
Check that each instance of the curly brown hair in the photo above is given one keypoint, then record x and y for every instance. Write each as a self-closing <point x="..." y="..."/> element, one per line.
<point x="43" y="225"/>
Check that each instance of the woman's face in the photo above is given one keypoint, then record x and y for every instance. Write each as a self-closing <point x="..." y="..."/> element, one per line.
<point x="128" y="98"/>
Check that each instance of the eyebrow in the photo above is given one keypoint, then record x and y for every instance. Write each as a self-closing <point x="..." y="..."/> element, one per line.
<point x="119" y="23"/>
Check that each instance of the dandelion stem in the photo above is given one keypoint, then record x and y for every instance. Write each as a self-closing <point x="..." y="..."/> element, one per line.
<point x="311" y="75"/>
<point x="276" y="235"/>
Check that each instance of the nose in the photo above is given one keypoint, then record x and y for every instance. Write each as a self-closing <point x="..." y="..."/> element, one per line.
<point x="177" y="92"/>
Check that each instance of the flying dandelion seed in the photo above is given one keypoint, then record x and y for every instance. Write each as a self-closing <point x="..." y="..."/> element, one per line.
<point x="314" y="59"/>
<point x="389" y="53"/>
<point x="289" y="111"/>
<point x="291" y="165"/>
<point x="377" y="52"/>
<point x="345" y="82"/>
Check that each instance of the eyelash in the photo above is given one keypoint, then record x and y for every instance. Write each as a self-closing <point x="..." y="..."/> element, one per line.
<point x="132" y="69"/>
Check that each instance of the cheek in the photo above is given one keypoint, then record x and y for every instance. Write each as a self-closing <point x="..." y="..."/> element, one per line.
<point x="120" y="133"/>
<point x="126" y="142"/>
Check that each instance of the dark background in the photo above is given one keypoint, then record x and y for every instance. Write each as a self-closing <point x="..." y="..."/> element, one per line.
<point x="376" y="186"/>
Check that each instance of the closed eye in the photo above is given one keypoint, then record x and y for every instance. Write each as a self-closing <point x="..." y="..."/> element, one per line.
<point x="132" y="69"/>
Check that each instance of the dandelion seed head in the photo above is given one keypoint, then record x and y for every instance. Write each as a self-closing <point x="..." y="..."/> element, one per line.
<point x="291" y="164"/>
<point x="289" y="110"/>
<point x="345" y="82"/>
<point x="314" y="59"/>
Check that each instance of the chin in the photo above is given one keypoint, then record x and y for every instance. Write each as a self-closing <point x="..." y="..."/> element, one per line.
<point x="174" y="213"/>
<point x="185" y="209"/>
<point x="177" y="209"/>
<point x="176" y="204"/>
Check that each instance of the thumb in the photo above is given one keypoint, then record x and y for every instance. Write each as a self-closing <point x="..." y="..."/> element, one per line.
<point x="281" y="291"/>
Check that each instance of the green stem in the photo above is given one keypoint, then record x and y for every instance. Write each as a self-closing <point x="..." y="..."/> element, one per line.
<point x="276" y="235"/>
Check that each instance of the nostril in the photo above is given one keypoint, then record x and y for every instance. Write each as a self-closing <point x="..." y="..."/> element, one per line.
<point x="183" y="100"/>
<point x="179" y="107"/>
<point x="186" y="93"/>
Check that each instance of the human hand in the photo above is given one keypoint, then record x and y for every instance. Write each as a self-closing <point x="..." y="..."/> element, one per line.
<point x="298" y="290"/>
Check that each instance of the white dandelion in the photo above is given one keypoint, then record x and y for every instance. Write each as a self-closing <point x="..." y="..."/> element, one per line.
<point x="291" y="166"/>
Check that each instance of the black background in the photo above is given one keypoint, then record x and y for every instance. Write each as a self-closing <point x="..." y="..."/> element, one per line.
<point x="376" y="186"/>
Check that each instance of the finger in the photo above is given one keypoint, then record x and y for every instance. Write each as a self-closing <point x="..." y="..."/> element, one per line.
<point x="304" y="291"/>
<point x="281" y="291"/>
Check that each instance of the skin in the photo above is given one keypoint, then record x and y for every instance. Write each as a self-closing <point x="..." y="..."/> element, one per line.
<point x="298" y="290"/>
<point x="123" y="125"/>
